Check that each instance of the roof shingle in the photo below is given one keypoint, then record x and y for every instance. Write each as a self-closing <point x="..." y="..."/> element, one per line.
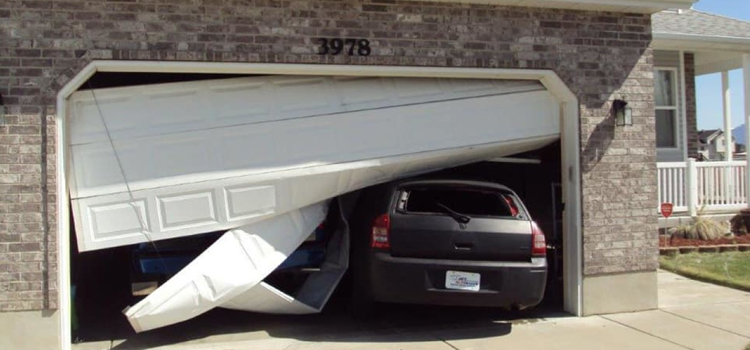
<point x="692" y="22"/>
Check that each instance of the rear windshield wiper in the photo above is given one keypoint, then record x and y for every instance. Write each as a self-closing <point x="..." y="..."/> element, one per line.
<point x="460" y="218"/>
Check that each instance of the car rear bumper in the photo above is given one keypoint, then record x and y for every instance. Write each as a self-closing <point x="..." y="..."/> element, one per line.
<point x="422" y="281"/>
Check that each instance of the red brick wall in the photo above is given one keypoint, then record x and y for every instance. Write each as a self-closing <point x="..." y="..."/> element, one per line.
<point x="690" y="108"/>
<point x="600" y="56"/>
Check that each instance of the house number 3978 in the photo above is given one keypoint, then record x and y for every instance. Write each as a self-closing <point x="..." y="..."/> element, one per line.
<point x="351" y="47"/>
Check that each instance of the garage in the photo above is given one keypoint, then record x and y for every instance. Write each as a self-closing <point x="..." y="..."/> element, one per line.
<point x="149" y="163"/>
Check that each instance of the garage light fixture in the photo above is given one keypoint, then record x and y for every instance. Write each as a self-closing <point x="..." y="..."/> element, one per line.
<point x="623" y="113"/>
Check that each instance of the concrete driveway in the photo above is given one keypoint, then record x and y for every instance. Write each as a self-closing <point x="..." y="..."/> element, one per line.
<point x="692" y="315"/>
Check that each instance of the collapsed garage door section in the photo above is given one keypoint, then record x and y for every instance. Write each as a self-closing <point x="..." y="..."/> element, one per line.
<point x="260" y="156"/>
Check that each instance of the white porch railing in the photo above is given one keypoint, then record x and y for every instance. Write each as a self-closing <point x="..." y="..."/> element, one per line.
<point x="713" y="186"/>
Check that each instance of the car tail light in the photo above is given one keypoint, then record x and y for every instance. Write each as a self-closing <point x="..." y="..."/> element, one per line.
<point x="539" y="243"/>
<point x="381" y="228"/>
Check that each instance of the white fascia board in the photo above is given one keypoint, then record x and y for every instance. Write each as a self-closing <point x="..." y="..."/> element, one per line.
<point x="632" y="6"/>
<point x="691" y="42"/>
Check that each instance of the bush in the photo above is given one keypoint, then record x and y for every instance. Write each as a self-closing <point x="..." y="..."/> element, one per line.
<point x="741" y="222"/>
<point x="701" y="228"/>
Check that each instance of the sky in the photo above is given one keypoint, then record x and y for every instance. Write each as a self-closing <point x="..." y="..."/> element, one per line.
<point x="708" y="87"/>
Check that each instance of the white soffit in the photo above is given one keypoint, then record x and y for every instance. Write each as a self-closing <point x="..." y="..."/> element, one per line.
<point x="215" y="155"/>
<point x="712" y="54"/>
<point x="717" y="61"/>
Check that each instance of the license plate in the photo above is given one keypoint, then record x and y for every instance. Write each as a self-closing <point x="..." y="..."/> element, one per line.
<point x="462" y="280"/>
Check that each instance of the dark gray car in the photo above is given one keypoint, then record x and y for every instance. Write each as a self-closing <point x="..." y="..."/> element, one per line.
<point x="446" y="242"/>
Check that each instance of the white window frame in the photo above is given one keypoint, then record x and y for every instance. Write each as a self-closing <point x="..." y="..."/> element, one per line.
<point x="675" y="107"/>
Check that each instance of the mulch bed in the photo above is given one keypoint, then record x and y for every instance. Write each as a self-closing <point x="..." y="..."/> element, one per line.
<point x="665" y="241"/>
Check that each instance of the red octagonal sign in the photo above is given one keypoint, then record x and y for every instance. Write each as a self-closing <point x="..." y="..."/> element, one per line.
<point x="666" y="209"/>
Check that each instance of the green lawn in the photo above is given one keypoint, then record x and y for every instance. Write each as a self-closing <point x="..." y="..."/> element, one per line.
<point x="731" y="269"/>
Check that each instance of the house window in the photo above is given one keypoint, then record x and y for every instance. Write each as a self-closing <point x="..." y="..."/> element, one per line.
<point x="665" y="98"/>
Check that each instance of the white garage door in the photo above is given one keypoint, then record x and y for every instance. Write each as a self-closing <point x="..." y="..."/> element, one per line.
<point x="169" y="160"/>
<point x="260" y="157"/>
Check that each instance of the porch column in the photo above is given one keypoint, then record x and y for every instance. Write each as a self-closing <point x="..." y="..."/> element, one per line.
<point x="727" y="116"/>
<point x="746" y="75"/>
<point x="728" y="150"/>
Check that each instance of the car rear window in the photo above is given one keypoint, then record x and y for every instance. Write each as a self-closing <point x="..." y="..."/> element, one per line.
<point x="472" y="201"/>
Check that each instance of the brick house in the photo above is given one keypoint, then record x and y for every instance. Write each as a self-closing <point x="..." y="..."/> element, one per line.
<point x="586" y="54"/>
<point x="687" y="44"/>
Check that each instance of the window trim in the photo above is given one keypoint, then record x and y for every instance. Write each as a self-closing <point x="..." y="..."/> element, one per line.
<point x="675" y="107"/>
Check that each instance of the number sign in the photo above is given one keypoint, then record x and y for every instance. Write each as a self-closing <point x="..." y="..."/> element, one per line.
<point x="349" y="46"/>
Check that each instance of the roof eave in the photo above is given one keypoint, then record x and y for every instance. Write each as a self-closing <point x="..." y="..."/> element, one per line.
<point x="631" y="6"/>
<point x="692" y="42"/>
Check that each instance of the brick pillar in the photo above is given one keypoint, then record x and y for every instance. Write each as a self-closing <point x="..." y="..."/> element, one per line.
<point x="690" y="109"/>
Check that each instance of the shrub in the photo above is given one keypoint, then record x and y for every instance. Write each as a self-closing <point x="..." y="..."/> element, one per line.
<point x="701" y="228"/>
<point x="741" y="222"/>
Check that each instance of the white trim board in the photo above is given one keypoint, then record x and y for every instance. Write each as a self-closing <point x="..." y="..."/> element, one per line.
<point x="570" y="144"/>
<point x="693" y="42"/>
<point x="633" y="6"/>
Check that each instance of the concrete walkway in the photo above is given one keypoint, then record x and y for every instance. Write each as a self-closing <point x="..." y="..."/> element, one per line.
<point x="692" y="315"/>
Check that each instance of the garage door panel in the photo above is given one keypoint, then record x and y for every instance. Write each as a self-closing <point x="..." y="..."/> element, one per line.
<point x="245" y="202"/>
<point x="187" y="210"/>
<point x="467" y="85"/>
<point x="241" y="103"/>
<point x="239" y="143"/>
<point x="197" y="173"/>
<point x="325" y="185"/>
<point x="182" y="157"/>
<point x="134" y="112"/>
<point x="158" y="109"/>
<point x="313" y="140"/>
<point x="94" y="166"/>
<point x="361" y="92"/>
<point x="253" y="198"/>
<point x="305" y="95"/>
<point x="158" y="161"/>
<point x="423" y="87"/>
<point x="125" y="217"/>
<point x="212" y="279"/>
<point x="85" y="105"/>
<point x="360" y="143"/>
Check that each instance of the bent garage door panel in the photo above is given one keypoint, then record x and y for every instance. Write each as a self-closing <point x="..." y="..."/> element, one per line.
<point x="211" y="155"/>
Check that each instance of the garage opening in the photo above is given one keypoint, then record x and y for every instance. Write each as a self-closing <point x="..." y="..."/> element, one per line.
<point x="149" y="154"/>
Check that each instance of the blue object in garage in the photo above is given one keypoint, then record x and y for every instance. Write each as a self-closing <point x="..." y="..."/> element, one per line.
<point x="164" y="265"/>
<point x="304" y="257"/>
<point x="309" y="254"/>
<point x="171" y="258"/>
